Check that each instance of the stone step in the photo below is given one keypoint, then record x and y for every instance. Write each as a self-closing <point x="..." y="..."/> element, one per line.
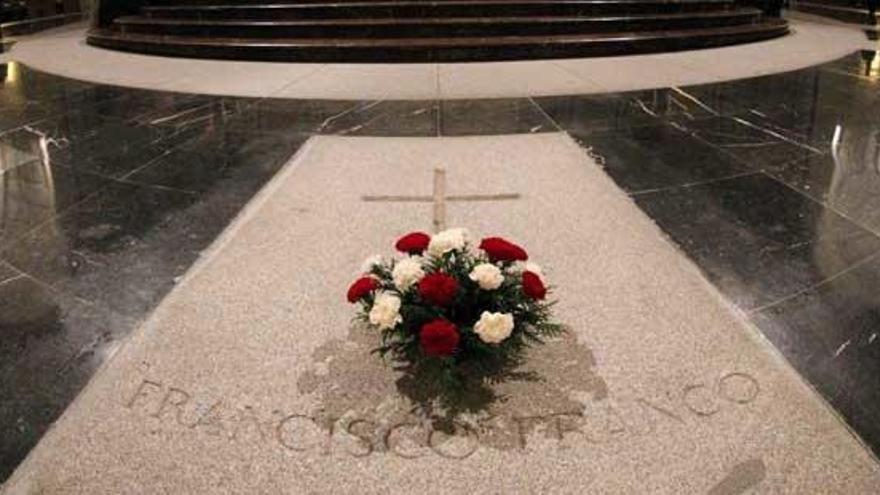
<point x="436" y="49"/>
<point x="434" y="27"/>
<point x="443" y="8"/>
<point x="852" y="15"/>
<point x="853" y="4"/>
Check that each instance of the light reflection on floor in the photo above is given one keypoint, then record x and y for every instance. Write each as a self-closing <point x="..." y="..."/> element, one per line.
<point x="108" y="195"/>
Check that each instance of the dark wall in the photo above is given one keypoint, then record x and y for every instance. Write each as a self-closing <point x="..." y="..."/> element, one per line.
<point x="771" y="8"/>
<point x="107" y="10"/>
<point x="46" y="8"/>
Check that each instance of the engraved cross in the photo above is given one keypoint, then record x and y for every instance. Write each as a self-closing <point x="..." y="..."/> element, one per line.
<point x="439" y="198"/>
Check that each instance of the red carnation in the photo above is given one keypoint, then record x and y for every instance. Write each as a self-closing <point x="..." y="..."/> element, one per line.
<point x="533" y="286"/>
<point x="439" y="338"/>
<point x="413" y="243"/>
<point x="499" y="249"/>
<point x="361" y="287"/>
<point x="438" y="288"/>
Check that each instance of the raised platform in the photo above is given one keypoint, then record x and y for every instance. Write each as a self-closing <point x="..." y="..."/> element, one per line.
<point x="810" y="43"/>
<point x="851" y="11"/>
<point x="436" y="31"/>
<point x="31" y="26"/>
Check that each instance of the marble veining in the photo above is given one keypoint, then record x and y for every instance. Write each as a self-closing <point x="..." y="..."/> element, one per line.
<point x="109" y="194"/>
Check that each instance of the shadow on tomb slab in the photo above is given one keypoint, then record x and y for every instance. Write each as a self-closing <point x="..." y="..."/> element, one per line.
<point x="390" y="409"/>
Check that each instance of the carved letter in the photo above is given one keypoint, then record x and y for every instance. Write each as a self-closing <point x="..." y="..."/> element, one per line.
<point x="288" y="421"/>
<point x="362" y="438"/>
<point x="568" y="423"/>
<point x="212" y="420"/>
<point x="141" y="391"/>
<point x="664" y="409"/>
<point x="328" y="445"/>
<point x="449" y="455"/>
<point x="248" y="420"/>
<point x="175" y="398"/>
<point x="668" y="412"/>
<point x="392" y="448"/>
<point x="727" y="388"/>
<point x="521" y="425"/>
<point x="620" y="425"/>
<point x="688" y="391"/>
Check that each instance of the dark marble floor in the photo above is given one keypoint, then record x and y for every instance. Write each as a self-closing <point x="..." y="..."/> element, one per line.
<point x="772" y="186"/>
<point x="108" y="195"/>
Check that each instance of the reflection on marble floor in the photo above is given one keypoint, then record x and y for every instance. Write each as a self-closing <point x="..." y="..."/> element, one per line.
<point x="108" y="194"/>
<point x="772" y="186"/>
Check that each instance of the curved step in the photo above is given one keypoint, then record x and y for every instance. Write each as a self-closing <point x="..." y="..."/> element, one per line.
<point x="443" y="8"/>
<point x="436" y="49"/>
<point x="854" y="15"/>
<point x="853" y="4"/>
<point x="434" y="27"/>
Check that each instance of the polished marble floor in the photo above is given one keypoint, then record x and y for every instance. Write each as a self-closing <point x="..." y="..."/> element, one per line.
<point x="109" y="194"/>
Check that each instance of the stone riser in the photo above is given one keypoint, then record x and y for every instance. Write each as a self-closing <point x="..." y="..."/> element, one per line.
<point x="388" y="10"/>
<point x="850" y="15"/>
<point x="437" y="31"/>
<point x="417" y="28"/>
<point x="438" y="50"/>
<point x="264" y="4"/>
<point x="851" y="4"/>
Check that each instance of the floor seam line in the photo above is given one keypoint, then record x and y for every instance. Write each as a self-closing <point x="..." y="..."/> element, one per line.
<point x="547" y="116"/>
<point x="19" y="238"/>
<point x="292" y="82"/>
<point x="579" y="77"/>
<point x="17" y="276"/>
<point x="812" y="287"/>
<point x="829" y="206"/>
<point x="694" y="184"/>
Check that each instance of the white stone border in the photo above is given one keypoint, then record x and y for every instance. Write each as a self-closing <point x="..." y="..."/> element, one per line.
<point x="63" y="52"/>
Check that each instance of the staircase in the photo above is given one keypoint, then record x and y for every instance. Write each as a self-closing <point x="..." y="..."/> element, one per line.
<point x="852" y="11"/>
<point x="430" y="31"/>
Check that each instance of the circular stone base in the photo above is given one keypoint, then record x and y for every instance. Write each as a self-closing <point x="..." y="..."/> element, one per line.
<point x="65" y="52"/>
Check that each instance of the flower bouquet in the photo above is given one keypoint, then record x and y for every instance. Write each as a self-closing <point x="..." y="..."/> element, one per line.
<point x="451" y="311"/>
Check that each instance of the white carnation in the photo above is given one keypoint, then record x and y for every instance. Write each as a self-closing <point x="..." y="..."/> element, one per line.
<point x="407" y="272"/>
<point x="519" y="267"/>
<point x="494" y="328"/>
<point x="369" y="263"/>
<point x="487" y="276"/>
<point x="385" y="313"/>
<point x="448" y="240"/>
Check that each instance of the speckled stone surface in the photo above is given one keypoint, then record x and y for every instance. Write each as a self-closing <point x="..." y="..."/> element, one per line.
<point x="250" y="378"/>
<point x="65" y="53"/>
